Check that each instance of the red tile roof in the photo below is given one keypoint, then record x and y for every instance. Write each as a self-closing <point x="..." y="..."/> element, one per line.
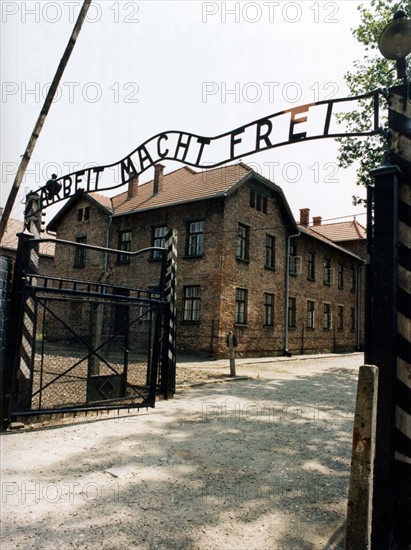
<point x="102" y="200"/>
<point x="341" y="231"/>
<point x="10" y="239"/>
<point x="182" y="185"/>
<point x="310" y="231"/>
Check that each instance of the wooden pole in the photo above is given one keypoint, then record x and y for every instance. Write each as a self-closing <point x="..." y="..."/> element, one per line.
<point x="41" y="119"/>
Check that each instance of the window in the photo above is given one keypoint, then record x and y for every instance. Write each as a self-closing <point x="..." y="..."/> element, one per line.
<point x="327" y="318"/>
<point x="269" y="251"/>
<point x="340" y="276"/>
<point x="124" y="243"/>
<point x="259" y="202"/>
<point x="294" y="267"/>
<point x="252" y="199"/>
<point x="292" y="304"/>
<point x="340" y="317"/>
<point x="269" y="309"/>
<point x="327" y="272"/>
<point x="195" y="238"/>
<point x="83" y="214"/>
<point x="243" y="239"/>
<point x="352" y="319"/>
<point x="311" y="266"/>
<point x="80" y="253"/>
<point x="241" y="306"/>
<point x="310" y="314"/>
<point x="159" y="239"/>
<point x="353" y="281"/>
<point x="191" y="303"/>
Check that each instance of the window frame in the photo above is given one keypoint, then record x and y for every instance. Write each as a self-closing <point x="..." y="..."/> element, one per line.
<point x="269" y="261"/>
<point x="310" y="323"/>
<point x="294" y="266"/>
<point x="327" y="316"/>
<point x="83" y="214"/>
<point x="327" y="278"/>
<point x="340" y="317"/>
<point x="125" y="246"/>
<point x="197" y="237"/>
<point x="340" y="275"/>
<point x="158" y="241"/>
<point x="353" y="280"/>
<point x="269" y="302"/>
<point x="241" y="306"/>
<point x="80" y="253"/>
<point x="311" y="266"/>
<point x="191" y="314"/>
<point x="292" y="312"/>
<point x="243" y="243"/>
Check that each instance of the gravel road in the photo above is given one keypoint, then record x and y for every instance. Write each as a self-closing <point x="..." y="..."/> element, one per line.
<point x="260" y="464"/>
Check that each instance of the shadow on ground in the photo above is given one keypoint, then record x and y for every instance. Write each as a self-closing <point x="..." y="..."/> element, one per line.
<point x="257" y="464"/>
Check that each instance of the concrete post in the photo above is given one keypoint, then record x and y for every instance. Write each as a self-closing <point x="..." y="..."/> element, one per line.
<point x="359" y="512"/>
<point x="232" y="353"/>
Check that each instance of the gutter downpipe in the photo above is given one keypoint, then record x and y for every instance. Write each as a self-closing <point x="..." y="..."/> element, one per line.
<point x="360" y="271"/>
<point x="287" y="286"/>
<point x="108" y="235"/>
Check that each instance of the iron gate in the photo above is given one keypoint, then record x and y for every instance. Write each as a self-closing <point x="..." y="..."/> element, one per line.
<point x="80" y="345"/>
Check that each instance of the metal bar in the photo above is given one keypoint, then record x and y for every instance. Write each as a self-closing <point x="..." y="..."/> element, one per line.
<point x="94" y="351"/>
<point x="381" y="344"/>
<point x="105" y="298"/>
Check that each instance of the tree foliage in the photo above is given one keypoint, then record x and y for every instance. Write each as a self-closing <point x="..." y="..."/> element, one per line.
<point x="368" y="74"/>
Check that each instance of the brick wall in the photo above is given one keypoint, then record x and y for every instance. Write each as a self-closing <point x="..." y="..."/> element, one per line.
<point x="320" y="339"/>
<point x="252" y="275"/>
<point x="204" y="271"/>
<point x="218" y="272"/>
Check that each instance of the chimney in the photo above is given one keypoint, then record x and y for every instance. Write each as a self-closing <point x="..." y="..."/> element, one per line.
<point x="158" y="179"/>
<point x="317" y="220"/>
<point x="132" y="188"/>
<point x="304" y="216"/>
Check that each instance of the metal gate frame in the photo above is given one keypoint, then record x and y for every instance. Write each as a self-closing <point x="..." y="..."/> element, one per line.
<point x="29" y="287"/>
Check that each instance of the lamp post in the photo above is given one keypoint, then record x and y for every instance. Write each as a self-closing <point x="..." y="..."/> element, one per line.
<point x="395" y="43"/>
<point x="388" y="342"/>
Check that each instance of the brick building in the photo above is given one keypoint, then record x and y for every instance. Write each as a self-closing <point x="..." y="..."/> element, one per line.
<point x="234" y="229"/>
<point x="9" y="242"/>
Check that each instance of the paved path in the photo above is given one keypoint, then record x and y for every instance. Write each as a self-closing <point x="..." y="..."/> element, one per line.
<point x="256" y="464"/>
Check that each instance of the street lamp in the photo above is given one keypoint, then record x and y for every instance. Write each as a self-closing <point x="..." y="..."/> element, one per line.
<point x="395" y="43"/>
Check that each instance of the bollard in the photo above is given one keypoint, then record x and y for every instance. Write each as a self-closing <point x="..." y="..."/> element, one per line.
<point x="231" y="346"/>
<point x="359" y="511"/>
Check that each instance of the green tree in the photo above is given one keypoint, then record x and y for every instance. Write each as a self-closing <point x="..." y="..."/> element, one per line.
<point x="370" y="73"/>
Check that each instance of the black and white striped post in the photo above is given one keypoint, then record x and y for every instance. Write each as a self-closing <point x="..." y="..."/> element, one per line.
<point x="169" y="383"/>
<point x="388" y="327"/>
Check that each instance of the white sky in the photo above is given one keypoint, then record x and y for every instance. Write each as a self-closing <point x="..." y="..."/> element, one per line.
<point x="140" y="68"/>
